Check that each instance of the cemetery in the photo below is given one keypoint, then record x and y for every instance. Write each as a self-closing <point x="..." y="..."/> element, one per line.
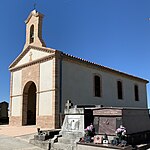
<point x="41" y="80"/>
<point x="96" y="127"/>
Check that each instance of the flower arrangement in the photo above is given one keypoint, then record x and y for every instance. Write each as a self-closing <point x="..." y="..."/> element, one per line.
<point x="121" y="132"/>
<point x="120" y="139"/>
<point x="89" y="130"/>
<point x="89" y="134"/>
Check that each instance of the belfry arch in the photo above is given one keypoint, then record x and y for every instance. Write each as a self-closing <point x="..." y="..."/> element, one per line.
<point x="31" y="34"/>
<point x="29" y="104"/>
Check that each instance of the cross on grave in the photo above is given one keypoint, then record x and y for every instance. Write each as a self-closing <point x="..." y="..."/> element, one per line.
<point x="30" y="55"/>
<point x="68" y="104"/>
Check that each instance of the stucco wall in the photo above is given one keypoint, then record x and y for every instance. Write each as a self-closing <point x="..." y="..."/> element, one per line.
<point x="16" y="93"/>
<point x="46" y="75"/>
<point x="34" y="54"/>
<point x="77" y="86"/>
<point x="45" y="104"/>
<point x="17" y="81"/>
<point x="16" y="106"/>
<point x="45" y="97"/>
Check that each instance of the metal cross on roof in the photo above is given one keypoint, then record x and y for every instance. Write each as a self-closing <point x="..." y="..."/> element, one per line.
<point x="35" y="5"/>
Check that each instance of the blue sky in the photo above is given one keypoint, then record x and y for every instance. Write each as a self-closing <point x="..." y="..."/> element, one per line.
<point x="113" y="33"/>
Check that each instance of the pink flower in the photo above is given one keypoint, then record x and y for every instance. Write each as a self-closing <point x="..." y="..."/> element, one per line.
<point x="89" y="128"/>
<point x="121" y="130"/>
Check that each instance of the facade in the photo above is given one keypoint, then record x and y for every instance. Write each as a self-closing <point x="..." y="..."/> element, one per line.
<point x="43" y="79"/>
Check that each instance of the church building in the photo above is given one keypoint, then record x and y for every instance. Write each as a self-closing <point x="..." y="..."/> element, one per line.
<point x="43" y="79"/>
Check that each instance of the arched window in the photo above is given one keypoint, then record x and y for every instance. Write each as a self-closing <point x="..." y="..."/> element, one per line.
<point x="136" y="92"/>
<point x="32" y="34"/>
<point x="97" y="86"/>
<point x="119" y="90"/>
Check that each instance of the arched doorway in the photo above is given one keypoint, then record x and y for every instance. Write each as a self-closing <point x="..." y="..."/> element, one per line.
<point x="29" y="104"/>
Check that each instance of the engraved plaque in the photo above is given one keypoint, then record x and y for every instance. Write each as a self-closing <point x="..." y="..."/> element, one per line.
<point x="107" y="125"/>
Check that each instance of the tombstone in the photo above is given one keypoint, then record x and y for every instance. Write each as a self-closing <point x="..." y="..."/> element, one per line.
<point x="77" y="118"/>
<point x="73" y="125"/>
<point x="107" y="120"/>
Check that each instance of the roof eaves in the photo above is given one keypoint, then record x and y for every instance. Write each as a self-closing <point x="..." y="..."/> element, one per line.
<point x="104" y="67"/>
<point x="50" y="50"/>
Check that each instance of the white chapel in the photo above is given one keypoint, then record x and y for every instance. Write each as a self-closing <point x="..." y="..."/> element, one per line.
<point x="43" y="79"/>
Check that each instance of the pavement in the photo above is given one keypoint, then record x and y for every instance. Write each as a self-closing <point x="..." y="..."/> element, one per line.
<point x="17" y="138"/>
<point x="14" y="131"/>
<point x="10" y="143"/>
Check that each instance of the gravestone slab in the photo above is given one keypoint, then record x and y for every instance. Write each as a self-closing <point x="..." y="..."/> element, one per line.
<point x="73" y="125"/>
<point x="76" y="118"/>
<point x="108" y="119"/>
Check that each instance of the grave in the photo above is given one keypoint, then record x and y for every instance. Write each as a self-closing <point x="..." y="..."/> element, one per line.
<point x="136" y="122"/>
<point x="42" y="138"/>
<point x="77" y="118"/>
<point x="106" y="120"/>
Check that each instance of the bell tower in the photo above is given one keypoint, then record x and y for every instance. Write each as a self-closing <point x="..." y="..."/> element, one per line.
<point x="34" y="29"/>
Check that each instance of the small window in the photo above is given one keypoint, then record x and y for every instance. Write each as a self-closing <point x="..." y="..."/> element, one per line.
<point x="119" y="89"/>
<point x="97" y="86"/>
<point x="136" y="92"/>
<point x="32" y="34"/>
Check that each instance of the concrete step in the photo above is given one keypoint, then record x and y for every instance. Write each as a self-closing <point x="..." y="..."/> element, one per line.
<point x="72" y="135"/>
<point x="62" y="146"/>
<point x="66" y="140"/>
<point x="42" y="144"/>
<point x="26" y="137"/>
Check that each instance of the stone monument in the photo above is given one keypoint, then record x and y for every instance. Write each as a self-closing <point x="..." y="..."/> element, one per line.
<point x="76" y="119"/>
<point x="73" y="125"/>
